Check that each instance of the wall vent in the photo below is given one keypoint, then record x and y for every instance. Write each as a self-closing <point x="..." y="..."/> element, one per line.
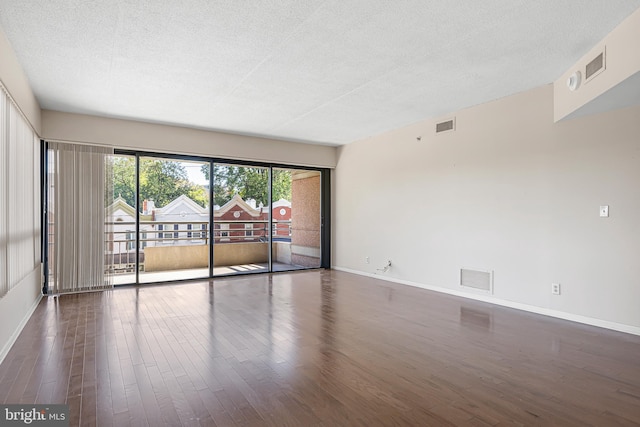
<point x="595" y="67"/>
<point x="476" y="279"/>
<point x="447" y="125"/>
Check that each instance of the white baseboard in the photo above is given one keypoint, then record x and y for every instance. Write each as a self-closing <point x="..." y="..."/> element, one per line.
<point x="16" y="333"/>
<point x="620" y="327"/>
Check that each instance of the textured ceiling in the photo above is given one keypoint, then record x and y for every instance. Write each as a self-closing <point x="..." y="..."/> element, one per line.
<point x="327" y="72"/>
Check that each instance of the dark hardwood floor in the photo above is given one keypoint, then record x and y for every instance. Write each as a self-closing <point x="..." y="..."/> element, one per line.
<point x="321" y="348"/>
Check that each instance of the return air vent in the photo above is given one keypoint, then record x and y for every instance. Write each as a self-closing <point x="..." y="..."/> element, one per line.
<point x="595" y="67"/>
<point x="476" y="279"/>
<point x="446" y="126"/>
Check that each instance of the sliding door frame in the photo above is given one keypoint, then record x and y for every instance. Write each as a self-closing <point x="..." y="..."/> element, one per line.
<point x="44" y="212"/>
<point x="210" y="230"/>
<point x="137" y="208"/>
<point x="325" y="204"/>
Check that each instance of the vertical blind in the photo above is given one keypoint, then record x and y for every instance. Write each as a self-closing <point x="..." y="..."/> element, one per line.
<point x="19" y="196"/>
<point x="80" y="188"/>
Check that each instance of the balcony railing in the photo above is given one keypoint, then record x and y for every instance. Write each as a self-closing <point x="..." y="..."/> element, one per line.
<point x="120" y="242"/>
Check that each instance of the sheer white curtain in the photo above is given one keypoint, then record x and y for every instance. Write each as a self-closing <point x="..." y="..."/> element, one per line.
<point x="19" y="196"/>
<point x="80" y="188"/>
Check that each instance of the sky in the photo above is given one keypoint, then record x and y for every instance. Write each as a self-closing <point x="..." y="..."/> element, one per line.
<point x="194" y="173"/>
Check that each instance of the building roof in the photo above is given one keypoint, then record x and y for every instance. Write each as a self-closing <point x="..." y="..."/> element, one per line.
<point x="121" y="204"/>
<point x="236" y="201"/>
<point x="179" y="204"/>
<point x="185" y="205"/>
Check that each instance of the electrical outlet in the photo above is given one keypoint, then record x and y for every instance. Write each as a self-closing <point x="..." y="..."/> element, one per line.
<point x="366" y="260"/>
<point x="555" y="288"/>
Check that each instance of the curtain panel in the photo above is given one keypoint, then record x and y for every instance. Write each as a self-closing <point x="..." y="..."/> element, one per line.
<point x="19" y="196"/>
<point x="79" y="190"/>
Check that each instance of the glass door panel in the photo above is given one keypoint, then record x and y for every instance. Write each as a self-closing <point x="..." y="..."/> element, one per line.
<point x="174" y="220"/>
<point x="121" y="217"/>
<point x="296" y="219"/>
<point x="240" y="219"/>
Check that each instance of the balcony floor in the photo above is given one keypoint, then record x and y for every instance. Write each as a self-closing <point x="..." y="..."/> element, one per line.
<point x="199" y="273"/>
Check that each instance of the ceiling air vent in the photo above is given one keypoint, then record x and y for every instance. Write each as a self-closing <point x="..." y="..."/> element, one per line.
<point x="446" y="126"/>
<point x="595" y="67"/>
<point x="476" y="279"/>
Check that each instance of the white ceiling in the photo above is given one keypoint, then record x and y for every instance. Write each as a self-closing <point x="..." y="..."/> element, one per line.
<point x="327" y="72"/>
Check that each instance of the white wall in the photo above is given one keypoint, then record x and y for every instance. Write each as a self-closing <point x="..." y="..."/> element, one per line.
<point x="16" y="306"/>
<point x="508" y="191"/>
<point x="14" y="79"/>
<point x="57" y="126"/>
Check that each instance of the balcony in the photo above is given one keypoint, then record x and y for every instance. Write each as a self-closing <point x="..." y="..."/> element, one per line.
<point x="182" y="245"/>
<point x="177" y="250"/>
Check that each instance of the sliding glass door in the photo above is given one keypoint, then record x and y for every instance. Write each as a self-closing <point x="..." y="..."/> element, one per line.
<point x="173" y="212"/>
<point x="240" y="219"/>
<point x="296" y="219"/>
<point x="172" y="218"/>
<point x="121" y="217"/>
<point x="260" y="208"/>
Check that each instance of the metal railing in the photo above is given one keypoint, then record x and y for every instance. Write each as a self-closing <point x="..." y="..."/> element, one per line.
<point x="120" y="241"/>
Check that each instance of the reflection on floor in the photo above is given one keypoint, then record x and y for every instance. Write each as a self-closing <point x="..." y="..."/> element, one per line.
<point x="315" y="348"/>
<point x="200" y="273"/>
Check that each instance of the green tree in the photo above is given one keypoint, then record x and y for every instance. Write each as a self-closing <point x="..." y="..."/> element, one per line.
<point x="248" y="183"/>
<point x="199" y="194"/>
<point x="160" y="180"/>
<point x="124" y="178"/>
<point x="281" y="184"/>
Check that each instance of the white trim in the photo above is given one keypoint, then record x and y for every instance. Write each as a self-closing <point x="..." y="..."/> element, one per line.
<point x="184" y="200"/>
<point x="620" y="327"/>
<point x="16" y="333"/>
<point x="236" y="200"/>
<point x="279" y="203"/>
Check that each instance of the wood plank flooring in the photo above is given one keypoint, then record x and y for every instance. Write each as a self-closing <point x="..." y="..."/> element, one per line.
<point x="320" y="348"/>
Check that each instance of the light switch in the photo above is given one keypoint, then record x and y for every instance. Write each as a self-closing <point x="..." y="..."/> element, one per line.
<point x="604" y="211"/>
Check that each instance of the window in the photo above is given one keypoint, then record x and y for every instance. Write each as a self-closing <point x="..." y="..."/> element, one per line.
<point x="196" y="234"/>
<point x="267" y="189"/>
<point x="131" y="240"/>
<point x="179" y="200"/>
